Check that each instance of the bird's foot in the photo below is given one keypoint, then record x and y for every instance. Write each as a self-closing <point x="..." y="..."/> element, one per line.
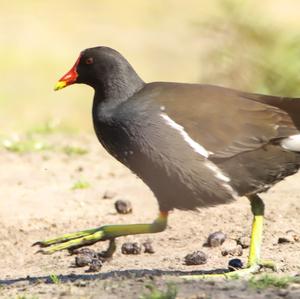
<point x="72" y="241"/>
<point x="107" y="232"/>
<point x="269" y="264"/>
<point x="109" y="252"/>
<point x="238" y="273"/>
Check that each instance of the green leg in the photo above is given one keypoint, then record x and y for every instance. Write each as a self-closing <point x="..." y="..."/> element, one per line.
<point x="254" y="261"/>
<point x="106" y="232"/>
<point x="258" y="209"/>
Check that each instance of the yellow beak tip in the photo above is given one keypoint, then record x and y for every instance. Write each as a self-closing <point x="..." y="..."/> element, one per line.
<point x="59" y="85"/>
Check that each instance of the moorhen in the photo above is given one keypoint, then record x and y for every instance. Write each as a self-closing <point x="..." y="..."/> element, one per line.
<point x="194" y="145"/>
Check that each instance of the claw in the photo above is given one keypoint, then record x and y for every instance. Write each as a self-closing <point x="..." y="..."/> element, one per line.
<point x="38" y="243"/>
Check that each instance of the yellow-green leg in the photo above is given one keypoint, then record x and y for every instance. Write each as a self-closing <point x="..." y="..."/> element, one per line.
<point x="254" y="261"/>
<point x="106" y="232"/>
<point x="258" y="209"/>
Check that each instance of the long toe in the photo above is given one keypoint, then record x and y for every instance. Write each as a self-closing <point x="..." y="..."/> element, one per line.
<point x="268" y="264"/>
<point x="66" y="237"/>
<point x="226" y="275"/>
<point x="74" y="243"/>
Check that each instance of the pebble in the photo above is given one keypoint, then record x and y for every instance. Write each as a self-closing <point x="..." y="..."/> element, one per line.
<point x="244" y="241"/>
<point x="80" y="169"/>
<point x="95" y="265"/>
<point x="233" y="251"/>
<point x="109" y="194"/>
<point x="235" y="264"/>
<point x="85" y="257"/>
<point x="85" y="251"/>
<point x="148" y="248"/>
<point x="131" y="248"/>
<point x="216" y="239"/>
<point x="195" y="258"/>
<point x="123" y="206"/>
<point x="289" y="237"/>
<point x="283" y="292"/>
<point x="83" y="260"/>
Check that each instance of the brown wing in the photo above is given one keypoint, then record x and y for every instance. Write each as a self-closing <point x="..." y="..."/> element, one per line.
<point x="226" y="122"/>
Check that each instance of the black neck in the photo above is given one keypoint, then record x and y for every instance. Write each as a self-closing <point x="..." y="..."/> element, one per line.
<point x="118" y="85"/>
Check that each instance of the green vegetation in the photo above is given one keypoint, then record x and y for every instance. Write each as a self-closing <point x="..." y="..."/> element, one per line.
<point x="54" y="279"/>
<point x="23" y="145"/>
<point x="155" y="293"/>
<point x="266" y="281"/>
<point x="48" y="127"/>
<point x="74" y="150"/>
<point x="80" y="185"/>
<point x="250" y="52"/>
<point x="247" y="44"/>
<point x="33" y="141"/>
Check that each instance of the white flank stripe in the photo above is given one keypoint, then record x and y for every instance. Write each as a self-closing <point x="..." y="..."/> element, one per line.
<point x="218" y="173"/>
<point x="291" y="143"/>
<point x="221" y="176"/>
<point x="198" y="148"/>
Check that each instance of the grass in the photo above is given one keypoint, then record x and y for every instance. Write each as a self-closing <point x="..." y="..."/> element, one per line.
<point x="48" y="127"/>
<point x="54" y="279"/>
<point x="27" y="144"/>
<point x="155" y="293"/>
<point x="74" y="150"/>
<point x="268" y="280"/>
<point x="33" y="140"/>
<point x="80" y="185"/>
<point x="238" y="29"/>
<point x="23" y="145"/>
<point x="250" y="52"/>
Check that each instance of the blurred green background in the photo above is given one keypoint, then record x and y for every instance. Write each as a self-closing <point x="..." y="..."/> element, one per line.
<point x="251" y="45"/>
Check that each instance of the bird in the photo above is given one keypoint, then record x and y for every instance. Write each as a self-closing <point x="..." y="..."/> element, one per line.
<point x="194" y="145"/>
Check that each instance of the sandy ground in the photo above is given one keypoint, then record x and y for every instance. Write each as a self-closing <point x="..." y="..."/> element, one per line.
<point x="37" y="202"/>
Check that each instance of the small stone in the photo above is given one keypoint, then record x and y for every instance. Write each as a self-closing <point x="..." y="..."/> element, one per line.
<point x="95" y="265"/>
<point x="282" y="240"/>
<point x="233" y="251"/>
<point x="85" y="251"/>
<point x="235" y="264"/>
<point x="148" y="248"/>
<point x="283" y="292"/>
<point x="83" y="260"/>
<point x="123" y="206"/>
<point x="79" y="283"/>
<point x="84" y="256"/>
<point x="195" y="258"/>
<point x="289" y="237"/>
<point x="109" y="194"/>
<point x="80" y="169"/>
<point x="244" y="241"/>
<point x="131" y="248"/>
<point x="216" y="239"/>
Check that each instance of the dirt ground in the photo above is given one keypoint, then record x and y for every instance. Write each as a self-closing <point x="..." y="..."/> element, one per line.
<point x="37" y="202"/>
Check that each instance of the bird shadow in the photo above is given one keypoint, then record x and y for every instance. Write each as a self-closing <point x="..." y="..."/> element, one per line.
<point x="130" y="273"/>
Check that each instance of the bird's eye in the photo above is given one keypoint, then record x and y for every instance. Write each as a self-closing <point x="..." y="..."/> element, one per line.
<point x="89" y="60"/>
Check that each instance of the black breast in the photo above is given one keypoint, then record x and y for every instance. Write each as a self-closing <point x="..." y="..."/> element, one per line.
<point x="136" y="134"/>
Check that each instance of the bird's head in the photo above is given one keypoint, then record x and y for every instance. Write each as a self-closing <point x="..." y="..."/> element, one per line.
<point x="103" y="69"/>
